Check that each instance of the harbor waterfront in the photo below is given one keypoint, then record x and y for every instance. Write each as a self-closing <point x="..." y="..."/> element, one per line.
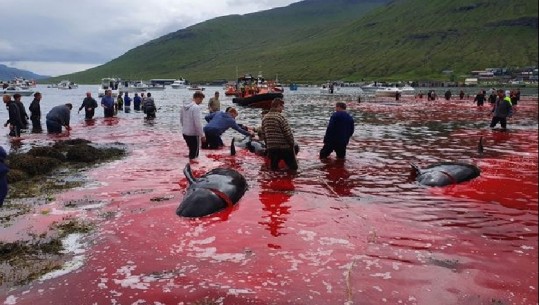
<point x="359" y="231"/>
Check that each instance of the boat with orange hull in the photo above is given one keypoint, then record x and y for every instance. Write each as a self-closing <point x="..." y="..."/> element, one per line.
<point x="255" y="92"/>
<point x="261" y="100"/>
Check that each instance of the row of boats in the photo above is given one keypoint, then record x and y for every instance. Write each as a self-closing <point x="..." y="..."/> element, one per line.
<point x="118" y="86"/>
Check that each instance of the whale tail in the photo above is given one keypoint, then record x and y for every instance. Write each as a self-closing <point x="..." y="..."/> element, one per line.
<point x="480" y="148"/>
<point x="189" y="174"/>
<point x="232" y="147"/>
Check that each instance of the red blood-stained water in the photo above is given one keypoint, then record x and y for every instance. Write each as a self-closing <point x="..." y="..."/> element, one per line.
<point x="354" y="232"/>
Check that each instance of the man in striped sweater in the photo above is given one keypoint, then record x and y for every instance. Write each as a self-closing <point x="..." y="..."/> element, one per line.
<point x="278" y="136"/>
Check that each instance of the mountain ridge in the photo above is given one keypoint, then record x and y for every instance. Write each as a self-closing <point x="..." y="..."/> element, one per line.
<point x="351" y="40"/>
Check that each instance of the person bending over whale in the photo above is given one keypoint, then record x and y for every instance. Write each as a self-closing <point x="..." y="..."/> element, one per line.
<point x="218" y="123"/>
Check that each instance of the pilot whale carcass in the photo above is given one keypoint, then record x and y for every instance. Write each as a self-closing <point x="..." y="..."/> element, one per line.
<point x="214" y="191"/>
<point x="446" y="173"/>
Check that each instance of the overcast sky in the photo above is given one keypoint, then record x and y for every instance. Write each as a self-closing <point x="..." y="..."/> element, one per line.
<point x="54" y="37"/>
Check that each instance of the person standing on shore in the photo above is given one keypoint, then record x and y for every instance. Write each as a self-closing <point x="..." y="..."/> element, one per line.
<point x="14" y="121"/>
<point x="214" y="104"/>
<point x="340" y="129"/>
<point x="108" y="104"/>
<point x="191" y="123"/>
<point x="503" y="109"/>
<point x="35" y="113"/>
<point x="57" y="117"/>
<point x="278" y="137"/>
<point x="89" y="104"/>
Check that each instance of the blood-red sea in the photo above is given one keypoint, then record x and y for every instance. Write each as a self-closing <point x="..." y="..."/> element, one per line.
<point x="359" y="231"/>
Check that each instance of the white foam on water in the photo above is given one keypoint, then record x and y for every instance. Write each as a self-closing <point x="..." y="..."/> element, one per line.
<point x="72" y="244"/>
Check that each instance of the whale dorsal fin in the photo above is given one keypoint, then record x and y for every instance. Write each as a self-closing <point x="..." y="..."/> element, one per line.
<point x="480" y="148"/>
<point x="416" y="168"/>
<point x="189" y="174"/>
<point x="232" y="147"/>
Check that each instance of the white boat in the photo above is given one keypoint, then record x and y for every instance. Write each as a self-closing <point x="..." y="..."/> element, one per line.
<point x="178" y="84"/>
<point x="109" y="83"/>
<point x="372" y="87"/>
<point x="387" y="92"/>
<point x="130" y="86"/>
<point x="156" y="87"/>
<point x="11" y="90"/>
<point x="407" y="90"/>
<point x="196" y="87"/>
<point x="65" y="85"/>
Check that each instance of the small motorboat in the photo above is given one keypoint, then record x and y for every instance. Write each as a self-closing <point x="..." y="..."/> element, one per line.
<point x="66" y="85"/>
<point x="196" y="87"/>
<point x="178" y="84"/>
<point x="11" y="90"/>
<point x="387" y="92"/>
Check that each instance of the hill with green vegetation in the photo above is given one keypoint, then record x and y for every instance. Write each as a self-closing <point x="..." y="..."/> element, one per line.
<point x="352" y="40"/>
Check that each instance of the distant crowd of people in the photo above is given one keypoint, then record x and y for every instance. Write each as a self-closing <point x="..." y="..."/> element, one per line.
<point x="59" y="116"/>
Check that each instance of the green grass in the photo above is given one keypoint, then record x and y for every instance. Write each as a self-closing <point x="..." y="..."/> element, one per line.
<point x="351" y="40"/>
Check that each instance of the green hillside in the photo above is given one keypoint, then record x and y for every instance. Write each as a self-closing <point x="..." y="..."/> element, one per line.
<point x="316" y="40"/>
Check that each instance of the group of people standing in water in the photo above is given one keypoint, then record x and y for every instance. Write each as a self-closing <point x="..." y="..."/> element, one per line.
<point x="274" y="131"/>
<point x="59" y="116"/>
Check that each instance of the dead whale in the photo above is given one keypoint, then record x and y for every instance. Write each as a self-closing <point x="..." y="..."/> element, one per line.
<point x="445" y="173"/>
<point x="254" y="146"/>
<point x="214" y="191"/>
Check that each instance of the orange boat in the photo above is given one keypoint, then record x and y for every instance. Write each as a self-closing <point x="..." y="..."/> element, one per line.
<point x="255" y="92"/>
<point x="231" y="90"/>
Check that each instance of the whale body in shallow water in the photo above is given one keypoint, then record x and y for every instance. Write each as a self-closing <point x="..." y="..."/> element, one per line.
<point x="214" y="191"/>
<point x="254" y="146"/>
<point x="446" y="173"/>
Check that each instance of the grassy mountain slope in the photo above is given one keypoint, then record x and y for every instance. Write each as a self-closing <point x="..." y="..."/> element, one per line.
<point x="213" y="49"/>
<point x="347" y="39"/>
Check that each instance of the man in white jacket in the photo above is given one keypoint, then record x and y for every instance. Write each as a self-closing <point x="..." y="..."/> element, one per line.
<point x="192" y="124"/>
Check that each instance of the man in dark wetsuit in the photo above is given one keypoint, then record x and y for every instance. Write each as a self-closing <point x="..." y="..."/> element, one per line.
<point x="14" y="121"/>
<point x="35" y="113"/>
<point x="89" y="104"/>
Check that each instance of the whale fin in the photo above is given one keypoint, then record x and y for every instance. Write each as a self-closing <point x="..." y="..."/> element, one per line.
<point x="480" y="148"/>
<point x="189" y="174"/>
<point x="232" y="147"/>
<point x="416" y="168"/>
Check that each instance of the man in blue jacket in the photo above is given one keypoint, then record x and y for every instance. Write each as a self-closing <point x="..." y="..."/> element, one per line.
<point x="218" y="123"/>
<point x="127" y="103"/>
<point x="338" y="132"/>
<point x="108" y="104"/>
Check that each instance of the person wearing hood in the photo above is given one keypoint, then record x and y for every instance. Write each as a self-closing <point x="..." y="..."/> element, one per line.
<point x="3" y="175"/>
<point x="218" y="123"/>
<point x="191" y="124"/>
